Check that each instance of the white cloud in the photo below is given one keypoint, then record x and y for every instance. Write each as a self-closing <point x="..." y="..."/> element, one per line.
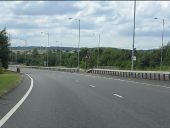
<point x="112" y="18"/>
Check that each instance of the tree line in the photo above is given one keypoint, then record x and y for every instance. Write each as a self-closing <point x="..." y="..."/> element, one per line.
<point x="91" y="57"/>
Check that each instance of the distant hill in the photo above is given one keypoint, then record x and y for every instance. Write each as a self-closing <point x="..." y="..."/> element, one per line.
<point x="30" y="48"/>
<point x="44" y="48"/>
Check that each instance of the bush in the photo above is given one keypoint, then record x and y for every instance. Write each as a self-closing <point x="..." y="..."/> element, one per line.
<point x="2" y="70"/>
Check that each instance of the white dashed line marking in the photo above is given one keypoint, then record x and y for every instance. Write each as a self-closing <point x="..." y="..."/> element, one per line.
<point x="118" y="96"/>
<point x="92" y="86"/>
<point x="145" y="84"/>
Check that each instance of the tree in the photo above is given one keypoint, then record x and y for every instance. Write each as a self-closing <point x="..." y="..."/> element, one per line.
<point x="4" y="48"/>
<point x="35" y="57"/>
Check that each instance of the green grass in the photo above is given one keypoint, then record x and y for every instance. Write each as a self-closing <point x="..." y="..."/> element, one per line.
<point x="8" y="81"/>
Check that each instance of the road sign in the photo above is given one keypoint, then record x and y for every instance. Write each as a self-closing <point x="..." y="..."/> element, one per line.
<point x="134" y="58"/>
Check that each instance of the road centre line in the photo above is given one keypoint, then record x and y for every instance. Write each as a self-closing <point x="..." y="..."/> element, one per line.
<point x="92" y="86"/>
<point x="118" y="95"/>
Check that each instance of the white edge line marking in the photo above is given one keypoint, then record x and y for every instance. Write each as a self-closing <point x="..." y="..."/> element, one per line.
<point x="92" y="86"/>
<point x="118" y="95"/>
<point x="12" y="111"/>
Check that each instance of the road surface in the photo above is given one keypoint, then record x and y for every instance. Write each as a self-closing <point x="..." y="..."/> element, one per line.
<point x="72" y="100"/>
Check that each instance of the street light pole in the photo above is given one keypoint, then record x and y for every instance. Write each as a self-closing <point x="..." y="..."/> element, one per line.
<point x="60" y="54"/>
<point x="56" y="55"/>
<point x="25" y="49"/>
<point x="98" y="52"/>
<point x="132" y="58"/>
<point x="78" y="42"/>
<point x="9" y="38"/>
<point x="163" y="23"/>
<point x="47" y="48"/>
<point x="79" y="45"/>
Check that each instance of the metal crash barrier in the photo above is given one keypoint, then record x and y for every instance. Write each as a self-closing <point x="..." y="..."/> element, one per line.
<point x="50" y="68"/>
<point x="152" y="75"/>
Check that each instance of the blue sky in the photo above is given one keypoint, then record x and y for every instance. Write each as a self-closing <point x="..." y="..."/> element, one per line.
<point x="112" y="19"/>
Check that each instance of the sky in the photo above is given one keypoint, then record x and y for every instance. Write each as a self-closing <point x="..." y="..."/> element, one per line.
<point x="113" y="20"/>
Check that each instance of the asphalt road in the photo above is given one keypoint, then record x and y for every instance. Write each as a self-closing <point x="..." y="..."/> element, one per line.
<point x="71" y="100"/>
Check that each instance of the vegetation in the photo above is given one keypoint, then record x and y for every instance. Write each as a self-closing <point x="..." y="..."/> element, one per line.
<point x="4" y="49"/>
<point x="8" y="81"/>
<point x="2" y="70"/>
<point x="146" y="59"/>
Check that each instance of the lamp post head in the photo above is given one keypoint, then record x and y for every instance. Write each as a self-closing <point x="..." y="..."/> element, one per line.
<point x="156" y="18"/>
<point x="70" y="18"/>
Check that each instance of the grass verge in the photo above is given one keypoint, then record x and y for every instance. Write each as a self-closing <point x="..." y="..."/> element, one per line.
<point x="9" y="81"/>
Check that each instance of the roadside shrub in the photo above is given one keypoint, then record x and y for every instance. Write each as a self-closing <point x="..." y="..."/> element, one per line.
<point x="2" y="70"/>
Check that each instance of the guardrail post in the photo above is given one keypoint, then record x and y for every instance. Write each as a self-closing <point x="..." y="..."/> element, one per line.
<point x="163" y="76"/>
<point x="169" y="76"/>
<point x="159" y="77"/>
<point x="154" y="76"/>
<point x="150" y="76"/>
